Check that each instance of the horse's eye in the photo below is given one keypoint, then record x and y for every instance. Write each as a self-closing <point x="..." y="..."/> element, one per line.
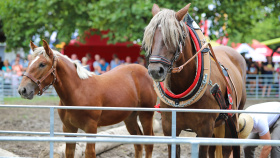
<point x="42" y="65"/>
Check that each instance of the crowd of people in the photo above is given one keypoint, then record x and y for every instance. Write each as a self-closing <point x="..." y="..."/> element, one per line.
<point x="269" y="71"/>
<point x="11" y="72"/>
<point x="99" y="65"/>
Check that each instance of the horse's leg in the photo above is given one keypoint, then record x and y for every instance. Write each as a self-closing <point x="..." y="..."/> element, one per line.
<point x="70" y="147"/>
<point x="90" y="128"/>
<point x="212" y="151"/>
<point x="166" y="127"/>
<point x="227" y="150"/>
<point x="134" y="129"/>
<point x="205" y="131"/>
<point x="146" y="118"/>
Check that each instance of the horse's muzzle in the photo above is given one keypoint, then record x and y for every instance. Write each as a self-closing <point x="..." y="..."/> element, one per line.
<point x="157" y="71"/>
<point x="26" y="93"/>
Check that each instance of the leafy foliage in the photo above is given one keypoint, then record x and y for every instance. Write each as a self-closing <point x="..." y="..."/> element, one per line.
<point x="126" y="19"/>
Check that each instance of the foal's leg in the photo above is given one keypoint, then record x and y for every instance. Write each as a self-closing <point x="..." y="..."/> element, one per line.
<point x="134" y="129"/>
<point x="70" y="147"/>
<point x="90" y="128"/>
<point x="166" y="127"/>
<point x="146" y="118"/>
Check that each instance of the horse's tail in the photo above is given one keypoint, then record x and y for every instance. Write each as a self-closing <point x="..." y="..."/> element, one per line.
<point x="81" y="71"/>
<point x="219" y="133"/>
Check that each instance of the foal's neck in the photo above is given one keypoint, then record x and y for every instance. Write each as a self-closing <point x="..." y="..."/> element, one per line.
<point x="68" y="82"/>
<point x="179" y="82"/>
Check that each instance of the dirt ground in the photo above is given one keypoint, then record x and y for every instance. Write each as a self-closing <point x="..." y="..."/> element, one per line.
<point x="21" y="119"/>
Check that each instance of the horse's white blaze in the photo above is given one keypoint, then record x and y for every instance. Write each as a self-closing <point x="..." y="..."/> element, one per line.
<point x="37" y="57"/>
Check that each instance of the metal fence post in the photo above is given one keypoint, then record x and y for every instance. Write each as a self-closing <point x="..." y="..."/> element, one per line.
<point x="51" y="129"/>
<point x="173" y="133"/>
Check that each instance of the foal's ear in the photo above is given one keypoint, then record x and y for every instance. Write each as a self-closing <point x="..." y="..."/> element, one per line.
<point x="155" y="9"/>
<point x="181" y="13"/>
<point x="47" y="49"/>
<point x="32" y="45"/>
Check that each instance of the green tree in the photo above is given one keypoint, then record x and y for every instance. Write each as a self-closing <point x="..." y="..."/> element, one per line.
<point x="126" y="19"/>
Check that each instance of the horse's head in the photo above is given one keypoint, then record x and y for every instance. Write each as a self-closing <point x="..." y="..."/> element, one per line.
<point x="163" y="40"/>
<point x="38" y="74"/>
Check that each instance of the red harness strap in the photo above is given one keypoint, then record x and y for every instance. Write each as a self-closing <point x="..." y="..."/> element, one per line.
<point x="216" y="92"/>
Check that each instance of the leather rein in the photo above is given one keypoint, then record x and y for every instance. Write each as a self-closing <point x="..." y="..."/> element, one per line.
<point x="39" y="81"/>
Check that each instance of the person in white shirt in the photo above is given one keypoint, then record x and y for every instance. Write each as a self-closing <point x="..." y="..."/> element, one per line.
<point x="261" y="126"/>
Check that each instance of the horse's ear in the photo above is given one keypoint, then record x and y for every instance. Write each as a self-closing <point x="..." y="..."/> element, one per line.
<point x="32" y="45"/>
<point x="47" y="49"/>
<point x="181" y="13"/>
<point x="155" y="9"/>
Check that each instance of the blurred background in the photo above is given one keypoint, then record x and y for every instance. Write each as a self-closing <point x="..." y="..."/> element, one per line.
<point x="109" y="33"/>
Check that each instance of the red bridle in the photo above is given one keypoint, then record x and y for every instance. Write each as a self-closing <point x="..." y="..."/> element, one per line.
<point x="39" y="82"/>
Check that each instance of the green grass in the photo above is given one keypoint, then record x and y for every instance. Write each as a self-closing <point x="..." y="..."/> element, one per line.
<point x="35" y="101"/>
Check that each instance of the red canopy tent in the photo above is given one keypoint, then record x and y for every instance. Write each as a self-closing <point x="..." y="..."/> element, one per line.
<point x="94" y="44"/>
<point x="265" y="50"/>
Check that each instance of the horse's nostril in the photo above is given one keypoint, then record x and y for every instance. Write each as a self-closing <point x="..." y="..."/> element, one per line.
<point x="161" y="71"/>
<point x="24" y="90"/>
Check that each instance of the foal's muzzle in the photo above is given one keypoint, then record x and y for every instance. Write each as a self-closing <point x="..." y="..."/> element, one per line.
<point x="27" y="92"/>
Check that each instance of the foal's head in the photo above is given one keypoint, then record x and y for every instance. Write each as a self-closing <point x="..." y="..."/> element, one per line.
<point x="37" y="70"/>
<point x="162" y="39"/>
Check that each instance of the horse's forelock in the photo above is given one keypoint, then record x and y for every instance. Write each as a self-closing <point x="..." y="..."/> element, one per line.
<point x="40" y="50"/>
<point x="170" y="29"/>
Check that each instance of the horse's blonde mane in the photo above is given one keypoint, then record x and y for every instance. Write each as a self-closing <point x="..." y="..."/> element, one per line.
<point x="81" y="71"/>
<point x="170" y="29"/>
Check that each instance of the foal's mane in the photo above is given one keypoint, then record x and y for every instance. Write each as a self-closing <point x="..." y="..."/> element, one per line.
<point x="170" y="29"/>
<point x="81" y="71"/>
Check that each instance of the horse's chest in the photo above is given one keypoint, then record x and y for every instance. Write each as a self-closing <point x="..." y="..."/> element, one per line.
<point x="76" y="118"/>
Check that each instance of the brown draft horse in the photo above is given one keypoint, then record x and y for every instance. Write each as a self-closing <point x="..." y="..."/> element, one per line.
<point x="161" y="41"/>
<point x="125" y="86"/>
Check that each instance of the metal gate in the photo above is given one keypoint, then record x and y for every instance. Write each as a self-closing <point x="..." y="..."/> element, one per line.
<point x="93" y="138"/>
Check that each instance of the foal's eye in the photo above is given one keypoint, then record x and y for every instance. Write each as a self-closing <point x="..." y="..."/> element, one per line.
<point x="42" y="65"/>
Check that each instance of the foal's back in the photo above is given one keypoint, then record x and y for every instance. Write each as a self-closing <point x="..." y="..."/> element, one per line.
<point x="124" y="86"/>
<point x="129" y="83"/>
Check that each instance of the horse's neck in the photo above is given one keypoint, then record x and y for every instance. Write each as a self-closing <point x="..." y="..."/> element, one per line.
<point x="68" y="80"/>
<point x="179" y="82"/>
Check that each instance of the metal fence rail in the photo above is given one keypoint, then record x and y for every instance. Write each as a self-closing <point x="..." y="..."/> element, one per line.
<point x="93" y="138"/>
<point x="262" y="86"/>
